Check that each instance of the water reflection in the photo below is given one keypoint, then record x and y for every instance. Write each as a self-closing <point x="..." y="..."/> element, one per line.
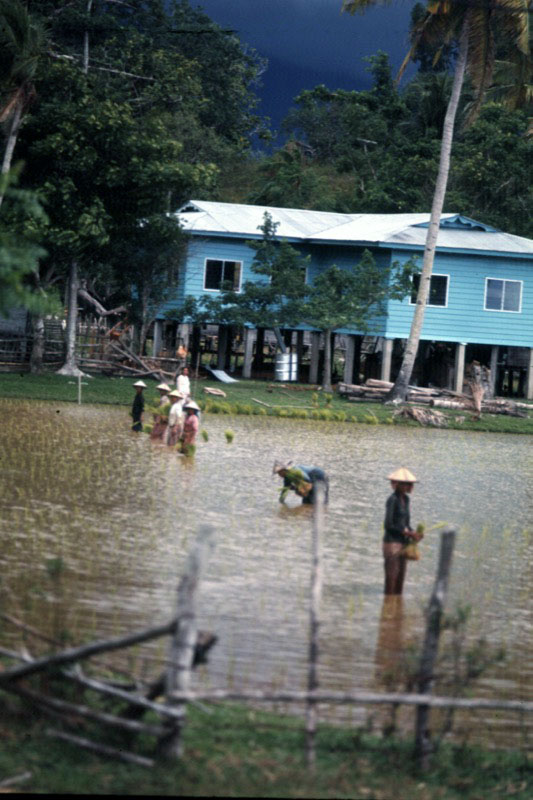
<point x="121" y="512"/>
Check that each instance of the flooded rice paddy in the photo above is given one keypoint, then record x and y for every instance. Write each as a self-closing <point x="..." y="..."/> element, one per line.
<point x="121" y="513"/>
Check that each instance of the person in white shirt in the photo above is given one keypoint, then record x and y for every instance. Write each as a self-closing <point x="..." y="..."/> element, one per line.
<point x="183" y="383"/>
<point x="175" y="418"/>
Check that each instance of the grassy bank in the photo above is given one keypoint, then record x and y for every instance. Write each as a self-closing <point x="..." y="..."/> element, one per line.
<point x="300" y="401"/>
<point x="234" y="752"/>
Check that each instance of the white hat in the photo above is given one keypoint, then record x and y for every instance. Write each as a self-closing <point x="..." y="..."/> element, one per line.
<point x="175" y="393"/>
<point x="192" y="404"/>
<point x="164" y="387"/>
<point x="140" y="383"/>
<point x="402" y="475"/>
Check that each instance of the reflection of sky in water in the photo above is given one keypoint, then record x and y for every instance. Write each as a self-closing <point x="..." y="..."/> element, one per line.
<point x="122" y="513"/>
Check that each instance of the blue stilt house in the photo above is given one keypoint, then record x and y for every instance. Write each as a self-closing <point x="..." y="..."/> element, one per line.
<point x="481" y="296"/>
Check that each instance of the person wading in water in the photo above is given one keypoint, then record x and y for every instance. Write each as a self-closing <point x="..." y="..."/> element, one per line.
<point x="398" y="531"/>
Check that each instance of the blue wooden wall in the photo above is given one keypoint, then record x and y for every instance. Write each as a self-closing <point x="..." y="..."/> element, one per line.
<point x="462" y="320"/>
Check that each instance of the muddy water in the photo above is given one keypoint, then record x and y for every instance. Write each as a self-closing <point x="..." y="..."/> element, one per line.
<point x="121" y="513"/>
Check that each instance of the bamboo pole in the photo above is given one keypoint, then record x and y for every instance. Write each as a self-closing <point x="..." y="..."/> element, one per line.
<point x="87" y="744"/>
<point x="182" y="646"/>
<point x="423" y="745"/>
<point x="314" y="623"/>
<point x="64" y="707"/>
<point x="121" y="694"/>
<point x="355" y="698"/>
<point x="85" y="651"/>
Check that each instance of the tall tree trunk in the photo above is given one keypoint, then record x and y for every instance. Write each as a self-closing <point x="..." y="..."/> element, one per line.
<point x="37" y="350"/>
<point x="326" y="376"/>
<point x="70" y="367"/>
<point x="145" y="322"/>
<point x="14" y="128"/>
<point x="86" y="40"/>
<point x="399" y="391"/>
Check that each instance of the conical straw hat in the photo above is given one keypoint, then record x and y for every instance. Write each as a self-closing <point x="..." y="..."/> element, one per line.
<point x="140" y="383"/>
<point x="402" y="475"/>
<point x="164" y="387"/>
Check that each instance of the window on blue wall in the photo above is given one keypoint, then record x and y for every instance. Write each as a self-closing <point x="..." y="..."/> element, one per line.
<point x="222" y="275"/>
<point x="438" y="290"/>
<point x="502" y="295"/>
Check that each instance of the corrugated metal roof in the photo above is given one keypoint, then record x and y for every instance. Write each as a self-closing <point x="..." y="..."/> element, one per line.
<point x="303" y="225"/>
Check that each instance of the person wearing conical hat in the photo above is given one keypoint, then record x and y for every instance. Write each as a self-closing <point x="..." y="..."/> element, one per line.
<point x="137" y="407"/>
<point x="190" y="424"/>
<point x="175" y="418"/>
<point x="300" y="479"/>
<point x="398" y="531"/>
<point x="160" y="420"/>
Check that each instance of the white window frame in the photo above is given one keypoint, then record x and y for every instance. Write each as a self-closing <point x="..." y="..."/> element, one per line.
<point x="503" y="310"/>
<point x="223" y="260"/>
<point x="436" y="305"/>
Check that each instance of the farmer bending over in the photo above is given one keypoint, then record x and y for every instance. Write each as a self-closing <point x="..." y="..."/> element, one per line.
<point x="300" y="479"/>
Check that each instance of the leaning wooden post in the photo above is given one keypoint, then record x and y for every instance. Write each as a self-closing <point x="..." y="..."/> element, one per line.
<point x="314" y="622"/>
<point x="183" y="642"/>
<point x="423" y="746"/>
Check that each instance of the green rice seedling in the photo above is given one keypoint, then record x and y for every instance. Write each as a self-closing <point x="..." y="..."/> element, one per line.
<point x="314" y="399"/>
<point x="371" y="418"/>
<point x="188" y="450"/>
<point x="229" y="434"/>
<point x="148" y="427"/>
<point x="205" y="435"/>
<point x="54" y="567"/>
<point x="328" y="397"/>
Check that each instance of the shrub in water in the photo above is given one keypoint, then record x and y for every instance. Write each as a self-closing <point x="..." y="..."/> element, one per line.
<point x="205" y="436"/>
<point x="229" y="434"/>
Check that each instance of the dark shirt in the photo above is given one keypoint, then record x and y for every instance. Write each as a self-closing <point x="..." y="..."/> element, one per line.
<point x="397" y="518"/>
<point x="137" y="407"/>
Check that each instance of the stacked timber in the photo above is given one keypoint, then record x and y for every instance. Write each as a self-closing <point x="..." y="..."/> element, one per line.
<point x="374" y="389"/>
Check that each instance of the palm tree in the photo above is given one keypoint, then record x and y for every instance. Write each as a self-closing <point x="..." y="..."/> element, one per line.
<point x="22" y="43"/>
<point x="472" y="24"/>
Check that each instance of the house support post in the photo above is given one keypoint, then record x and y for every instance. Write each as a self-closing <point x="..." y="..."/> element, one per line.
<point x="158" y="337"/>
<point x="249" y="338"/>
<point x="300" y="346"/>
<point x="259" y="347"/>
<point x="315" y="352"/>
<point x="386" y="360"/>
<point x="529" y="388"/>
<point x="459" y="366"/>
<point x="493" y="368"/>
<point x="349" y="357"/>
<point x="222" y="346"/>
<point x="184" y="329"/>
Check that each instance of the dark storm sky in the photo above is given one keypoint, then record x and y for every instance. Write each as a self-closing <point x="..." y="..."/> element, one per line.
<point x="307" y="42"/>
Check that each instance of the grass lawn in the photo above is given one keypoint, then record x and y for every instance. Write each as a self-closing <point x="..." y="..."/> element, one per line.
<point x="238" y="752"/>
<point x="244" y="397"/>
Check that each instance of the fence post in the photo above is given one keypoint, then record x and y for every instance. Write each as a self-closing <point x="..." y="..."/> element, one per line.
<point x="423" y="745"/>
<point x="314" y="621"/>
<point x="183" y="642"/>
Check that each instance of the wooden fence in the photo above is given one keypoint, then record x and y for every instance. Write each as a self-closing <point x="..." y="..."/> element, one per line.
<point x="188" y="647"/>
